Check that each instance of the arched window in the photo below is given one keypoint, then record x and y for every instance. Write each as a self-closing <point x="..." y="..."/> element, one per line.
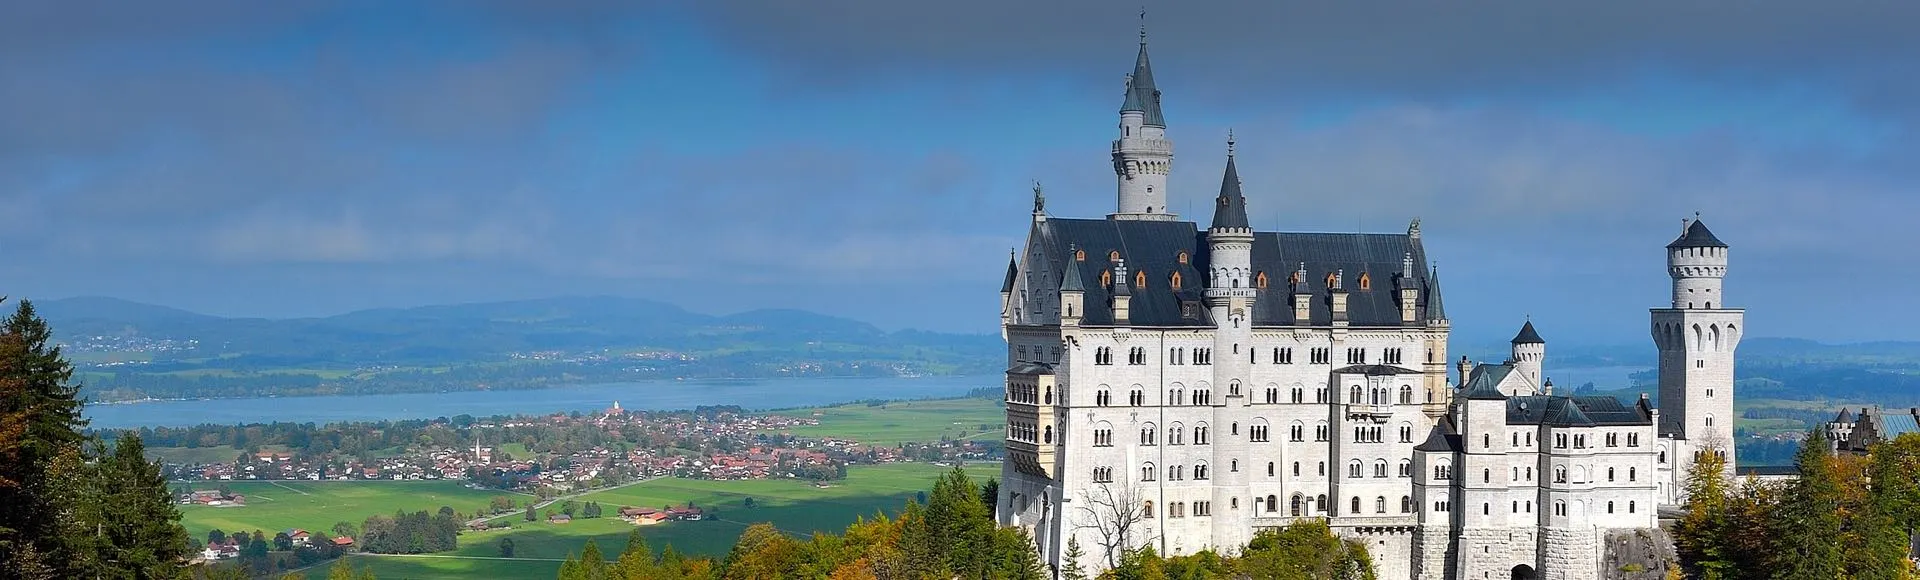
<point x="1174" y="281"/>
<point x="1380" y="504"/>
<point x="1353" y="395"/>
<point x="1609" y="507"/>
<point x="1406" y="395"/>
<point x="1294" y="506"/>
<point x="1146" y="509"/>
<point x="1406" y="468"/>
<point x="1140" y="279"/>
<point x="1406" y="504"/>
<point x="1366" y="281"/>
<point x="1181" y="257"/>
<point x="1379" y="468"/>
<point x="1330" y="279"/>
<point x="1486" y="475"/>
<point x="1079" y="255"/>
<point x="1355" y="504"/>
<point x="1106" y="278"/>
<point x="1260" y="280"/>
<point x="1269" y="469"/>
<point x="1113" y="256"/>
<point x="1146" y="472"/>
<point x="1353" y="469"/>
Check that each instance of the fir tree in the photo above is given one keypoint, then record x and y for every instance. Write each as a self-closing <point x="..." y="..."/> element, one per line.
<point x="40" y="423"/>
<point x="1070" y="562"/>
<point x="1807" y="527"/>
<point x="140" y="533"/>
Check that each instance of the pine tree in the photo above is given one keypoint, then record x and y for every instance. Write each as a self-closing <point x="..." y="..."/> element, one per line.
<point x="138" y="531"/>
<point x="1699" y="537"/>
<point x="1070" y="562"/>
<point x="1878" y="535"/>
<point x="592" y="563"/>
<point x="40" y="440"/>
<point x="1807" y="527"/>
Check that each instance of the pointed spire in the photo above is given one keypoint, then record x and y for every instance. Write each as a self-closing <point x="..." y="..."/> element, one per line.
<point x="1071" y="282"/>
<point x="1013" y="271"/>
<point x="1435" y="310"/>
<point x="1230" y="209"/>
<point x="1142" y="96"/>
<point x="1528" y="335"/>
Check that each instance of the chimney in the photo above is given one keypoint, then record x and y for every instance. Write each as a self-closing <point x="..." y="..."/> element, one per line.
<point x="1464" y="367"/>
<point x="1122" y="295"/>
<point x="1339" y="299"/>
<point x="1302" y="297"/>
<point x="1409" y="294"/>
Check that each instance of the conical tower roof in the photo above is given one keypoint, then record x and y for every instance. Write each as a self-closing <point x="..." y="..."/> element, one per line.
<point x="1528" y="335"/>
<point x="1142" y="96"/>
<point x="1230" y="208"/>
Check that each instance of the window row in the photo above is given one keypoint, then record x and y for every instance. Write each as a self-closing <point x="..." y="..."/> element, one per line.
<point x="1148" y="472"/>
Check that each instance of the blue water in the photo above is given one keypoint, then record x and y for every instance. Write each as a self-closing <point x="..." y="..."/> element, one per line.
<point x="645" y="395"/>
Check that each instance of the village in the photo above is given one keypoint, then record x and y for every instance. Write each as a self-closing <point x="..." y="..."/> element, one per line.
<point x="544" y="455"/>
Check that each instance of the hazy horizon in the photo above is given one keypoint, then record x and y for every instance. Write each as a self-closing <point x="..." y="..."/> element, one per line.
<point x="873" y="160"/>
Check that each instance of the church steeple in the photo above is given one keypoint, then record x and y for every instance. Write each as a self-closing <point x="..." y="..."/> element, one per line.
<point x="1142" y="156"/>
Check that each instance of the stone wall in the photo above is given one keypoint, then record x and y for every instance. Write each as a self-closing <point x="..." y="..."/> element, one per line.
<point x="1636" y="554"/>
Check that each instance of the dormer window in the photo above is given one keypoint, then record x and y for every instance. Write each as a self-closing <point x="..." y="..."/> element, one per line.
<point x="1330" y="279"/>
<point x="1366" y="281"/>
<point x="1079" y="255"/>
<point x="1113" y="256"/>
<point x="1293" y="279"/>
<point x="1140" y="279"/>
<point x="1174" y="281"/>
<point x="1106" y="278"/>
<point x="1182" y="257"/>
<point x="1260" y="280"/>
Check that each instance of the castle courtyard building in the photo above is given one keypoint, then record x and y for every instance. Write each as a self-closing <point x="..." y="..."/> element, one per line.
<point x="1183" y="385"/>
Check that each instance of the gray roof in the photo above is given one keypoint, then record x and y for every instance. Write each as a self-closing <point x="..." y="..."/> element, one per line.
<point x="1846" y="416"/>
<point x="1155" y="246"/>
<point x="1142" y="96"/>
<point x="1435" y="309"/>
<point x="1586" y="411"/>
<point x="1013" y="271"/>
<point x="1441" y="438"/>
<point x="1483" y="383"/>
<point x="1071" y="280"/>
<point x="1230" y="208"/>
<point x="1528" y="335"/>
<point x="1374" y="370"/>
<point x="1697" y="236"/>
<point x="1896" y="424"/>
<point x="1030" y="368"/>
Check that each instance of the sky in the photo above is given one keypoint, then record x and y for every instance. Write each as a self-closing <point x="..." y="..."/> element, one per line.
<point x="874" y="159"/>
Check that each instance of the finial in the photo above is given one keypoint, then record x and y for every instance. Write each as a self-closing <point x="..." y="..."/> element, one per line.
<point x="1229" y="141"/>
<point x="1039" y="198"/>
<point x="1143" y="25"/>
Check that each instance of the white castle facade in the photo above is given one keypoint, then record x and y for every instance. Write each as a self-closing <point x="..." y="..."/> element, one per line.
<point x="1183" y="388"/>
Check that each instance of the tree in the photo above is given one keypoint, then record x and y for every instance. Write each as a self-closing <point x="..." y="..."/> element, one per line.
<point x="748" y="502"/>
<point x="40" y="423"/>
<point x="282" y="542"/>
<point x="216" y="537"/>
<point x="960" y="525"/>
<point x="345" y="530"/>
<point x="144" y="536"/>
<point x="1701" y="535"/>
<point x="1304" y="550"/>
<point x="506" y="547"/>
<point x="1112" y="513"/>
<point x="1070" y="561"/>
<point x="990" y="495"/>
<point x="531" y="515"/>
<point x="762" y="552"/>
<point x="1807" y="527"/>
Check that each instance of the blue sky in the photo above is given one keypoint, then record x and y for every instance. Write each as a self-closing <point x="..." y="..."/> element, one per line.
<point x="872" y="159"/>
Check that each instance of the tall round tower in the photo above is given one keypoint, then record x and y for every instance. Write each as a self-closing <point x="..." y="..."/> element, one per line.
<point x="1529" y="353"/>
<point x="1697" y="262"/>
<point x="1142" y="156"/>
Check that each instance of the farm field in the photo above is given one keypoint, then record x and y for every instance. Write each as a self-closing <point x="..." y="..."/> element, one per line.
<point x="796" y="507"/>
<point x="317" y="505"/>
<point x="904" y="421"/>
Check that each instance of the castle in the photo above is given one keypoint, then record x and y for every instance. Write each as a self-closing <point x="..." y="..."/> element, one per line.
<point x="1182" y="388"/>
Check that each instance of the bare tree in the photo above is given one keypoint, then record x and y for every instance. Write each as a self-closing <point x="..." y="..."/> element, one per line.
<point x="1115" y="514"/>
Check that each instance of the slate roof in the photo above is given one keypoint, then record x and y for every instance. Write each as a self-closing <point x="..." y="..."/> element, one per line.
<point x="1897" y="423"/>
<point x="1435" y="309"/>
<point x="1230" y="208"/>
<point x="1030" y="368"/>
<point x="1586" y="411"/>
<point x="1155" y="246"/>
<point x="1070" y="282"/>
<point x="1696" y="236"/>
<point x="1142" y="96"/>
<point x="1441" y="438"/>
<point x="1483" y="382"/>
<point x="1528" y="335"/>
<point x="1846" y="416"/>
<point x="1374" y="370"/>
<point x="1013" y="271"/>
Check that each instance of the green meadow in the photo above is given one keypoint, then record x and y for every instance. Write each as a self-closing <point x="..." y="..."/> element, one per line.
<point x="317" y="505"/>
<point x="796" y="507"/>
<point x="905" y="421"/>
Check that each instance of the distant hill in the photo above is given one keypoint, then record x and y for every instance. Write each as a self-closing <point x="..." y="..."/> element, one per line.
<point x="131" y="350"/>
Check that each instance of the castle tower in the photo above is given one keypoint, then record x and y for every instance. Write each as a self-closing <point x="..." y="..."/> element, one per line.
<point x="1697" y="336"/>
<point x="1142" y="155"/>
<point x="1529" y="352"/>
<point x="1230" y="295"/>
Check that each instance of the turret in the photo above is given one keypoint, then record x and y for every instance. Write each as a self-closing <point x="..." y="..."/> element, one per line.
<point x="1142" y="156"/>
<point x="1230" y="238"/>
<point x="1529" y="352"/>
<point x="1072" y="291"/>
<point x="1697" y="262"/>
<point x="1464" y="367"/>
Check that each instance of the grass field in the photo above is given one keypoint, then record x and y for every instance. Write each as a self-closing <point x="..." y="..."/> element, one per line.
<point x="317" y="505"/>
<point x="793" y="506"/>
<point x="905" y="421"/>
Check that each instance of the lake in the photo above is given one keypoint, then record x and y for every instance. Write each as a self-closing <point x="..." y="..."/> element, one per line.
<point x="643" y="395"/>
